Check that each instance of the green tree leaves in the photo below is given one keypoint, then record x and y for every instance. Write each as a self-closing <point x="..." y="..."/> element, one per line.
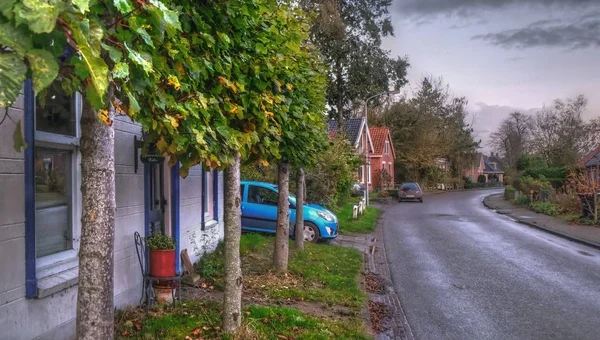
<point x="124" y="6"/>
<point x="39" y="15"/>
<point x="12" y="76"/>
<point x="44" y="68"/>
<point x="15" y="38"/>
<point x="88" y="37"/>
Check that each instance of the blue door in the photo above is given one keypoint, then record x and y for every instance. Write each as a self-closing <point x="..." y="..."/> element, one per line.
<point x="259" y="208"/>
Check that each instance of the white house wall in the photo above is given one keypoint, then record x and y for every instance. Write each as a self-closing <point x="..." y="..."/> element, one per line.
<point x="193" y="238"/>
<point x="53" y="317"/>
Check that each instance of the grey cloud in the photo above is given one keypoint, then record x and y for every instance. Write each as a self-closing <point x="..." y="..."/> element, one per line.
<point x="471" y="7"/>
<point x="576" y="35"/>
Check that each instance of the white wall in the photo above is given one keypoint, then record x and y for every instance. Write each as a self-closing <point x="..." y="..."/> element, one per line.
<point x="193" y="238"/>
<point x="53" y="317"/>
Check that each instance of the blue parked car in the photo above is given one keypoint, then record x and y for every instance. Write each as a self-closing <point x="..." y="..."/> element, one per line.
<point x="259" y="213"/>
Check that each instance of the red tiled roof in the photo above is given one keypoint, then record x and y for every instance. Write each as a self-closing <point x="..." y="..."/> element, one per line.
<point x="379" y="135"/>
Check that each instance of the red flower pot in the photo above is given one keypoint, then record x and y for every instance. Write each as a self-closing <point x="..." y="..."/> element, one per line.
<point x="162" y="263"/>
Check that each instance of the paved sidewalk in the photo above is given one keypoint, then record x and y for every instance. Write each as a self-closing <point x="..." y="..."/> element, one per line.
<point x="589" y="235"/>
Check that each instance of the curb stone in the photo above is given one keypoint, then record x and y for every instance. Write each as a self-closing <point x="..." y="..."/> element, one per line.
<point x="539" y="227"/>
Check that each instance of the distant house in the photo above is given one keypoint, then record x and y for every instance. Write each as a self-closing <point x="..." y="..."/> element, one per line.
<point x="382" y="158"/>
<point x="357" y="132"/>
<point x="591" y="162"/>
<point x="489" y="166"/>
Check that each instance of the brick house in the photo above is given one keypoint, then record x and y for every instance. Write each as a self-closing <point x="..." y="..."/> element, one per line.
<point x="489" y="166"/>
<point x="382" y="158"/>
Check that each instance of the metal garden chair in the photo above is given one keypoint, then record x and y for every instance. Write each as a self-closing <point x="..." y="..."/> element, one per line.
<point x="148" y="295"/>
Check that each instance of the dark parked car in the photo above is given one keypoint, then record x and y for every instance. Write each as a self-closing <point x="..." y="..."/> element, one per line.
<point x="410" y="191"/>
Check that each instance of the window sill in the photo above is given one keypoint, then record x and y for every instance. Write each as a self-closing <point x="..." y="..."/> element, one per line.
<point x="56" y="263"/>
<point x="210" y="224"/>
<point x="55" y="283"/>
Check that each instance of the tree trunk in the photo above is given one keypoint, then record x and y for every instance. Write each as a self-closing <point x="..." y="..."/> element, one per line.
<point x="300" y="210"/>
<point x="95" y="308"/>
<point x="232" y="300"/>
<point x="340" y="91"/>
<point x="280" y="255"/>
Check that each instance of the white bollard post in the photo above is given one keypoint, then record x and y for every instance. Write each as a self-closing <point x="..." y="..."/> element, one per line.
<point x="355" y="212"/>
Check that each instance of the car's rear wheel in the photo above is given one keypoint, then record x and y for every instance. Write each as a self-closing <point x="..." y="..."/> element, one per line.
<point x="421" y="200"/>
<point x="311" y="232"/>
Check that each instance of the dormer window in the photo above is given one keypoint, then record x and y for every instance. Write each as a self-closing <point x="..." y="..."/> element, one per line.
<point x="493" y="166"/>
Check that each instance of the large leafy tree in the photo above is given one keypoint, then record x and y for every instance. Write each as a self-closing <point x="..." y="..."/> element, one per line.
<point x="109" y="39"/>
<point x="302" y="137"/>
<point x="252" y="95"/>
<point x="430" y="124"/>
<point x="203" y="82"/>
<point x="512" y="138"/>
<point x="348" y="34"/>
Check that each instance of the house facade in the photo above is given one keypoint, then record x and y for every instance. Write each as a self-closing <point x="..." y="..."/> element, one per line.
<point x="591" y="162"/>
<point x="357" y="132"/>
<point x="40" y="214"/>
<point x="382" y="158"/>
<point x="489" y="166"/>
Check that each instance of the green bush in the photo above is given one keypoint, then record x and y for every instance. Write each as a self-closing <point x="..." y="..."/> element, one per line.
<point x="523" y="200"/>
<point x="392" y="192"/>
<point x="527" y="183"/>
<point x="160" y="242"/>
<point x="531" y="162"/>
<point x="556" y="176"/>
<point x="330" y="181"/>
<point x="509" y="193"/>
<point x="481" y="179"/>
<point x="546" y="208"/>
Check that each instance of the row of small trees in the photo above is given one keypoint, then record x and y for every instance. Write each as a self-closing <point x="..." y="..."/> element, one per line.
<point x="213" y="83"/>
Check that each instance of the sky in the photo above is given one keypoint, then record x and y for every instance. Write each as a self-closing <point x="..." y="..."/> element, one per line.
<point x="503" y="55"/>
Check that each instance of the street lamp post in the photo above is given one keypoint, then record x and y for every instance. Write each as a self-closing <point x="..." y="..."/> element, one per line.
<point x="368" y="164"/>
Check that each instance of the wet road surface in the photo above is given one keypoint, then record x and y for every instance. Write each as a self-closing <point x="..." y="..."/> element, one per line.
<point x="464" y="272"/>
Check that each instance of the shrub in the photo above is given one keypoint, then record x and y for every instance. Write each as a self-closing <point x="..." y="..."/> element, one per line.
<point x="481" y="179"/>
<point x="526" y="183"/>
<point x="384" y="178"/>
<point x="509" y="193"/>
<point x="523" y="200"/>
<point x="556" y="176"/>
<point x="569" y="203"/>
<point x="211" y="266"/>
<point x="530" y="162"/>
<point x="160" y="242"/>
<point x="392" y="192"/>
<point x="330" y="181"/>
<point x="546" y="208"/>
<point x="384" y="193"/>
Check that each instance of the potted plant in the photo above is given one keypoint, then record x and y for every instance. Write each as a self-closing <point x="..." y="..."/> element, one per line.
<point x="162" y="255"/>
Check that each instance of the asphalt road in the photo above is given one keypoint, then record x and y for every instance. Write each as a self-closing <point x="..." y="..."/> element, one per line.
<point x="463" y="272"/>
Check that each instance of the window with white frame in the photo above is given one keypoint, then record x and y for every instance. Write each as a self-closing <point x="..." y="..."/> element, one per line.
<point x="386" y="147"/>
<point x="56" y="160"/>
<point x="369" y="174"/>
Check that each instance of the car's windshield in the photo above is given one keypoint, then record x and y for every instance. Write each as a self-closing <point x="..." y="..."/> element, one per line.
<point x="410" y="186"/>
